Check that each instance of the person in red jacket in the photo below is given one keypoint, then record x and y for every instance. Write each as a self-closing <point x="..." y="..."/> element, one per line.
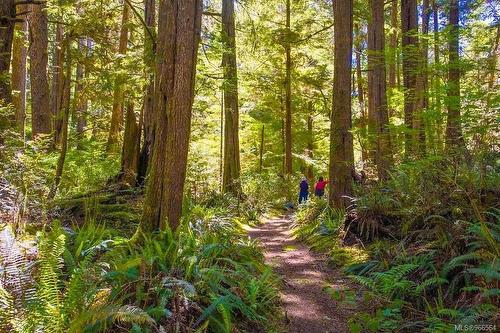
<point x="319" y="188"/>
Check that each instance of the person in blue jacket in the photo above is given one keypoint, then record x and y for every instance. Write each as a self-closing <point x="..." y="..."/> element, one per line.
<point x="304" y="190"/>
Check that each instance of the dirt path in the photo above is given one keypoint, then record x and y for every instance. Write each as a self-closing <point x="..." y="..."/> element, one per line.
<point x="306" y="279"/>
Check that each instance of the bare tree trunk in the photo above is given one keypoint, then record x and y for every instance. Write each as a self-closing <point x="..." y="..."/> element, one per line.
<point x="131" y="143"/>
<point x="341" y="142"/>
<point x="378" y="119"/>
<point x="57" y="85"/>
<point x="7" y="15"/>
<point x="288" y="95"/>
<point x="393" y="47"/>
<point x="423" y="84"/>
<point x="65" y="105"/>
<point x="310" y="142"/>
<point x="410" y="66"/>
<point x="148" y="116"/>
<point x="179" y="25"/>
<point x="117" y="111"/>
<point x="454" y="137"/>
<point x="40" y="105"/>
<point x="358" y="42"/>
<point x="231" y="180"/>
<point x="437" y="78"/>
<point x="19" y="55"/>
<point x="261" y="153"/>
<point x="80" y="100"/>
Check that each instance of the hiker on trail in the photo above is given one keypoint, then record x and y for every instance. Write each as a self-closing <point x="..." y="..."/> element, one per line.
<point x="319" y="188"/>
<point x="304" y="190"/>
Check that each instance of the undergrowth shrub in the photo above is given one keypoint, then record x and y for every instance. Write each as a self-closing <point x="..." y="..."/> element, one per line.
<point x="208" y="277"/>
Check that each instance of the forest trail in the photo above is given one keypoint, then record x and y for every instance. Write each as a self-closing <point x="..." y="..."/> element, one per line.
<point x="307" y="302"/>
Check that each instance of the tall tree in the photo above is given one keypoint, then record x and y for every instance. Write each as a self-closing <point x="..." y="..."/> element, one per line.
<point x="341" y="142"/>
<point x="38" y="33"/>
<point x="65" y="109"/>
<point x="231" y="176"/>
<point x="423" y="81"/>
<point x="80" y="100"/>
<point x="7" y="19"/>
<point x="393" y="45"/>
<point x="409" y="30"/>
<point x="358" y="47"/>
<point x="436" y="75"/>
<point x="57" y="84"/>
<point x="453" y="126"/>
<point x="288" y="93"/>
<point x="378" y="117"/>
<point x="19" y="55"/>
<point x="179" y="25"/>
<point x="116" y="123"/>
<point x="147" y="118"/>
<point x="130" y="150"/>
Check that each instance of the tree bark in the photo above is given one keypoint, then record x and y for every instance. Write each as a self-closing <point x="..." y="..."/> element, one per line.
<point x="117" y="112"/>
<point x="288" y="95"/>
<point x="148" y="116"/>
<point x="131" y="145"/>
<point x="231" y="177"/>
<point x="19" y="55"/>
<point x="454" y="137"/>
<point x="437" y="78"/>
<point x="409" y="30"/>
<point x="57" y="85"/>
<point x="179" y="25"/>
<point x="310" y="142"/>
<point x="80" y="99"/>
<point x="40" y="102"/>
<point x="341" y="142"/>
<point x="423" y="84"/>
<point x="7" y="15"/>
<point x="378" y="117"/>
<point x="358" y="42"/>
<point x="393" y="47"/>
<point x="261" y="152"/>
<point x="65" y="108"/>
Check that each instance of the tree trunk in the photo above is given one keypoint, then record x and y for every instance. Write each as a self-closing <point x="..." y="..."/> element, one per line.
<point x="423" y="85"/>
<point x="19" y="54"/>
<point x="117" y="111"/>
<point x="231" y="179"/>
<point x="7" y="15"/>
<point x="358" y="42"/>
<point x="80" y="100"/>
<point x="261" y="153"/>
<point x="288" y="95"/>
<point x="57" y="85"/>
<point x="40" y="107"/>
<point x="148" y="116"/>
<point x="437" y="78"/>
<point x="341" y="143"/>
<point x="65" y="108"/>
<point x="393" y="47"/>
<point x="130" y="152"/>
<point x="310" y="143"/>
<point x="454" y="137"/>
<point x="409" y="30"/>
<point x="178" y="37"/>
<point x="378" y="117"/>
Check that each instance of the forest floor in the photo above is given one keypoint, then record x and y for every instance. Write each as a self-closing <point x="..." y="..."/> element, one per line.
<point x="309" y="285"/>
